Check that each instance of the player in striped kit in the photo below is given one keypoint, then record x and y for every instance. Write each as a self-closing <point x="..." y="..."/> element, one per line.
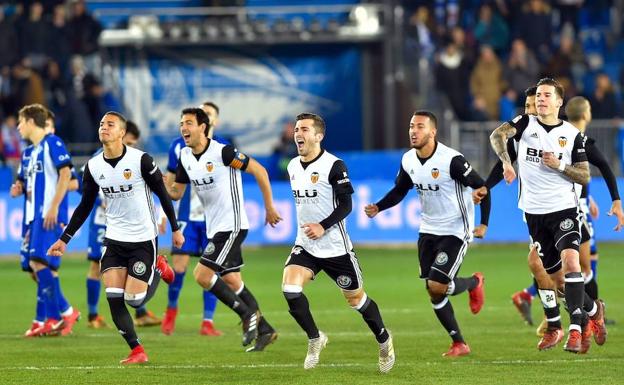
<point x="214" y="172"/>
<point x="551" y="158"/>
<point x="129" y="266"/>
<point x="443" y="178"/>
<point x="322" y="191"/>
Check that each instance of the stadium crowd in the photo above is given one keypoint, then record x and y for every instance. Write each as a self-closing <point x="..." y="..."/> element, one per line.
<point x="486" y="53"/>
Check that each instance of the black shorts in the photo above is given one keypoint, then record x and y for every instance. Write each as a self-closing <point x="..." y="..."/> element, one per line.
<point x="139" y="258"/>
<point x="554" y="232"/>
<point x="223" y="253"/>
<point x="586" y="230"/>
<point x="440" y="256"/>
<point x="344" y="270"/>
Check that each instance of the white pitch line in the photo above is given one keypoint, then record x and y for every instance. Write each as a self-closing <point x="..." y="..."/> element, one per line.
<point x="335" y="365"/>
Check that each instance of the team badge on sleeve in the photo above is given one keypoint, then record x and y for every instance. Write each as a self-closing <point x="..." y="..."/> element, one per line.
<point x="127" y="173"/>
<point x="209" y="166"/>
<point x="435" y="173"/>
<point x="314" y="177"/>
<point x="563" y="141"/>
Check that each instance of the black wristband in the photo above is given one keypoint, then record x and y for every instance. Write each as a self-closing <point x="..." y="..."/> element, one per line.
<point x="65" y="238"/>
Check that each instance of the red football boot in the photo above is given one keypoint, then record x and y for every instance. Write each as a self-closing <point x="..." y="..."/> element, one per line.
<point x="136" y="356"/>
<point x="551" y="337"/>
<point x="70" y="321"/>
<point x="477" y="297"/>
<point x="31" y="332"/>
<point x="166" y="272"/>
<point x="208" y="329"/>
<point x="457" y="349"/>
<point x="168" y="323"/>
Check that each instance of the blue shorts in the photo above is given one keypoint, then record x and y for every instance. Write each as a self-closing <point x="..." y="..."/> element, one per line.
<point x="24" y="257"/>
<point x="592" y="236"/>
<point x="40" y="241"/>
<point x="195" y="240"/>
<point x="96" y="238"/>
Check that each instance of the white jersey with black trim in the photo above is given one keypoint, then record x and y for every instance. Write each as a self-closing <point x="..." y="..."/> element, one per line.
<point x="130" y="213"/>
<point x="315" y="200"/>
<point x="219" y="188"/>
<point x="447" y="207"/>
<point x="542" y="189"/>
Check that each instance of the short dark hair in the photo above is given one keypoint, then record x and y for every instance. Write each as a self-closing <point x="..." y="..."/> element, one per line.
<point x="531" y="91"/>
<point x="36" y="112"/>
<point x="122" y="119"/>
<point x="428" y="114"/>
<point x="552" y="82"/>
<point x="211" y="104"/>
<point x="132" y="129"/>
<point x="319" y="123"/>
<point x="575" y="108"/>
<point x="200" y="116"/>
<point x="50" y="115"/>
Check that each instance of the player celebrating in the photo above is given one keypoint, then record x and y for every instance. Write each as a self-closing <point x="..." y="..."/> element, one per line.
<point x="191" y="219"/>
<point x="551" y="158"/>
<point x="213" y="170"/>
<point x="322" y="192"/>
<point x="441" y="176"/>
<point x="97" y="231"/>
<point x="129" y="267"/>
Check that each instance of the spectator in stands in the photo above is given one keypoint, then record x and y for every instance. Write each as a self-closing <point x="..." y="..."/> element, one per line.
<point x="491" y="29"/>
<point x="420" y="33"/>
<point x="521" y="69"/>
<point x="33" y="36"/>
<point x="59" y="48"/>
<point x="8" y="41"/>
<point x="567" y="62"/>
<point x="26" y="84"/>
<point x="451" y="74"/>
<point x="508" y="105"/>
<point x="10" y="142"/>
<point x="604" y="103"/>
<point x="465" y="44"/>
<point x="534" y="26"/>
<point x="486" y="80"/>
<point x="569" y="12"/>
<point x="84" y="30"/>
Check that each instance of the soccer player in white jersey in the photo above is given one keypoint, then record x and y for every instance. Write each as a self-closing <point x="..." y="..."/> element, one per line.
<point x="443" y="179"/>
<point x="214" y="171"/>
<point x="322" y="192"/>
<point x="551" y="159"/>
<point x="190" y="215"/>
<point x="95" y="246"/>
<point x="129" y="266"/>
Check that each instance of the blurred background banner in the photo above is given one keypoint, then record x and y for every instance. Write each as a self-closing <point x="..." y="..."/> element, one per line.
<point x="258" y="91"/>
<point x="398" y="225"/>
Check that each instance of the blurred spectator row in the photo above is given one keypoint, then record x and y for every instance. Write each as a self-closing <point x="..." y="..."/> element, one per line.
<point x="49" y="55"/>
<point x="486" y="53"/>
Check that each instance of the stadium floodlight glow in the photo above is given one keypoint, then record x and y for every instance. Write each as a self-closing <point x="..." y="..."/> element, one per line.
<point x="365" y="19"/>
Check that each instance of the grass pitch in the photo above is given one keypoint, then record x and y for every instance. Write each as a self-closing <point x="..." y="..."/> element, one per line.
<point x="504" y="348"/>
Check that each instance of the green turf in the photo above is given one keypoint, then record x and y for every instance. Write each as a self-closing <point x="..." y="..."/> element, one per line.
<point x="504" y="349"/>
